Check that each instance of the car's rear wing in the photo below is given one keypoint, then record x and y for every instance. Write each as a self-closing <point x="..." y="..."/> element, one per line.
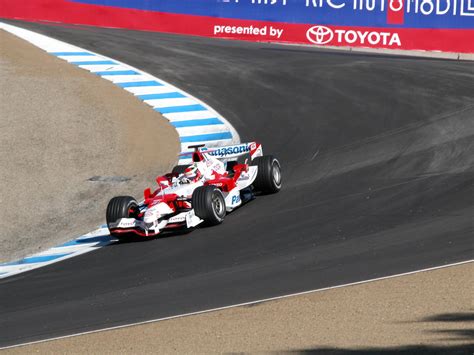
<point x="228" y="152"/>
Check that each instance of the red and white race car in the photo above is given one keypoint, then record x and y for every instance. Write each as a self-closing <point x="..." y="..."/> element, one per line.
<point x="216" y="182"/>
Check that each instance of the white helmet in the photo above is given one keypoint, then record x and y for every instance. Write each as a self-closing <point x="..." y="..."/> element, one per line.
<point x="192" y="173"/>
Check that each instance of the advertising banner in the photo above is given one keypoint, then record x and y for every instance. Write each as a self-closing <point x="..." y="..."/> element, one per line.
<point x="432" y="25"/>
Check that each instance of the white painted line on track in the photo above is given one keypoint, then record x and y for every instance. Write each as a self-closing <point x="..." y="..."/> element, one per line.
<point x="241" y="304"/>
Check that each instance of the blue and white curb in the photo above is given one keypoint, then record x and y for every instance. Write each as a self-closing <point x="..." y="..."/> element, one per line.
<point x="194" y="120"/>
<point x="78" y="246"/>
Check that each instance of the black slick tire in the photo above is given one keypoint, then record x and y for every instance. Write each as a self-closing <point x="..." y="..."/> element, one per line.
<point x="121" y="207"/>
<point x="268" y="180"/>
<point x="209" y="204"/>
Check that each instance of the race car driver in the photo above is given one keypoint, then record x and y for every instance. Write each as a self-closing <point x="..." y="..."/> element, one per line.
<point x="192" y="174"/>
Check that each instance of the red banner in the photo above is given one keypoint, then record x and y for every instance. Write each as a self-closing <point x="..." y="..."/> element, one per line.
<point x="447" y="40"/>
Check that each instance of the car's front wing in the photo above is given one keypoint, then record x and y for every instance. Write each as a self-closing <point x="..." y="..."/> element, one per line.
<point x="186" y="219"/>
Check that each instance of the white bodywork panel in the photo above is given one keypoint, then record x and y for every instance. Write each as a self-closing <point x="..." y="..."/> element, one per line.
<point x="232" y="199"/>
<point x="247" y="178"/>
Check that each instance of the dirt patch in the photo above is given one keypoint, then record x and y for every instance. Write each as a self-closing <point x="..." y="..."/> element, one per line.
<point x="69" y="141"/>
<point x="428" y="312"/>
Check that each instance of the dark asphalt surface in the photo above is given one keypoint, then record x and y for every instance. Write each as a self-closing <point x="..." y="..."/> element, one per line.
<point x="378" y="159"/>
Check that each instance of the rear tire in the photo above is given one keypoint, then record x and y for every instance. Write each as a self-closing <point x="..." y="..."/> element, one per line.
<point x="121" y="207"/>
<point x="268" y="180"/>
<point x="209" y="205"/>
<point x="179" y="169"/>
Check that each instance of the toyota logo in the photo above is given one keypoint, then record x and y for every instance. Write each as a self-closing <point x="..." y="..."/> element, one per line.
<point x="319" y="34"/>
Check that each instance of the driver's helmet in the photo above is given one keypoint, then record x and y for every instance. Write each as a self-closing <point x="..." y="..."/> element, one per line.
<point x="192" y="173"/>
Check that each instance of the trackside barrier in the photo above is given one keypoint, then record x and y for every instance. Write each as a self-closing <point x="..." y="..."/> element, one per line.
<point x="428" y="25"/>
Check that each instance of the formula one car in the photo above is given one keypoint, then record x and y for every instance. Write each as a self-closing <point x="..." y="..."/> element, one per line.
<point x="216" y="182"/>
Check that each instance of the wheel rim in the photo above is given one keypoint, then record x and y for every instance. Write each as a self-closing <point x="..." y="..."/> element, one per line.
<point x="133" y="211"/>
<point x="276" y="172"/>
<point x="217" y="204"/>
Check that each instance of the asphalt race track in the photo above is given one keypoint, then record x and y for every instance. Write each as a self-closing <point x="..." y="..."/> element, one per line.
<point x="378" y="159"/>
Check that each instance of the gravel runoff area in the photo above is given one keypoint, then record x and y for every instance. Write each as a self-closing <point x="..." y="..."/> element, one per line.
<point x="59" y="127"/>
<point x="428" y="312"/>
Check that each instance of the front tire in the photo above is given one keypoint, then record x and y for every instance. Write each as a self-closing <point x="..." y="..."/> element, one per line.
<point x="268" y="180"/>
<point x="209" y="204"/>
<point x="121" y="207"/>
